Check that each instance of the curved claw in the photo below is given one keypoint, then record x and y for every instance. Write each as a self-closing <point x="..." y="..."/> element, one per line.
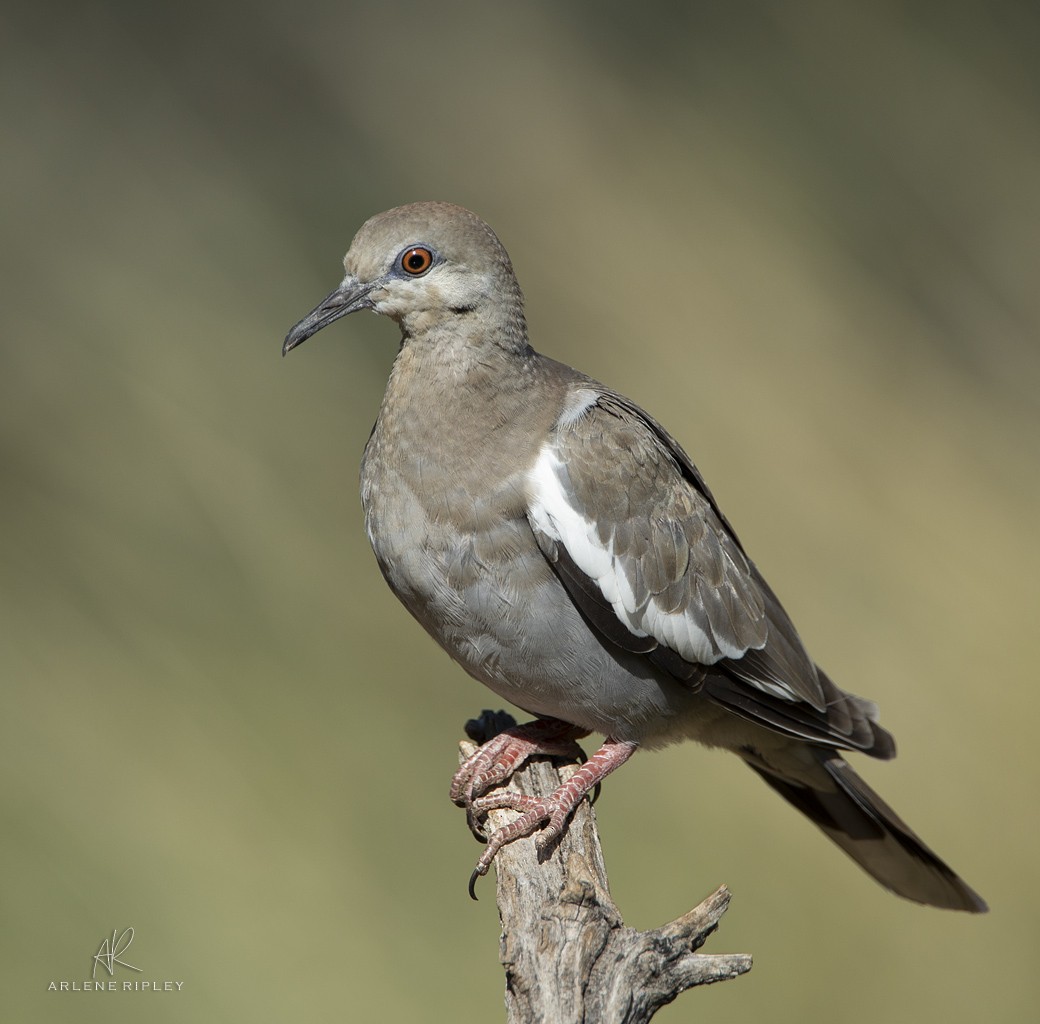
<point x="548" y="813"/>
<point x="475" y="827"/>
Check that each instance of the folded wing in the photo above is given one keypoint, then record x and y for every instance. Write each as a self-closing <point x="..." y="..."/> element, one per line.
<point x="638" y="541"/>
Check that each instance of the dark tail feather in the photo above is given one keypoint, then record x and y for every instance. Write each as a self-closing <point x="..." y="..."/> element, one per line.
<point x="873" y="835"/>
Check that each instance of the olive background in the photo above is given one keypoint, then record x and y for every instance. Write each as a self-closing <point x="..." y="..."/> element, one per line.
<point x="804" y="236"/>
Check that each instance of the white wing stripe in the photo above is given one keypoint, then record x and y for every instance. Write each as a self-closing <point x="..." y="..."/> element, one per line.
<point x="552" y="513"/>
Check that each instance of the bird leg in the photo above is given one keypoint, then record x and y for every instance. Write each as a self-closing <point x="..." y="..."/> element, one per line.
<point x="493" y="762"/>
<point x="497" y="759"/>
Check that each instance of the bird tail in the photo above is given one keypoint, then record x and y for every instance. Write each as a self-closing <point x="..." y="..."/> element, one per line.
<point x="840" y="803"/>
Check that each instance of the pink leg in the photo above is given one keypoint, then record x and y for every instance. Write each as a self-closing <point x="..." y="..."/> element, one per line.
<point x="553" y="810"/>
<point x="503" y="754"/>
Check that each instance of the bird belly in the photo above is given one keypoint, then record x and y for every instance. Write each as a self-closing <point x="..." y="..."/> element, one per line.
<point x="478" y="583"/>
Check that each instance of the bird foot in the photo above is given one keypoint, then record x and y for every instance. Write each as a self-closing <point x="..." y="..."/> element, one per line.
<point x="497" y="759"/>
<point x="493" y="762"/>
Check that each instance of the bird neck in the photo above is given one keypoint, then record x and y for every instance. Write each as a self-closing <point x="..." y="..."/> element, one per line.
<point x="476" y="392"/>
<point x="462" y="340"/>
<point x="461" y="363"/>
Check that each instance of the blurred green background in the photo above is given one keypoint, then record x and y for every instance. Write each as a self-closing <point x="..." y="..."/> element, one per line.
<point x="804" y="235"/>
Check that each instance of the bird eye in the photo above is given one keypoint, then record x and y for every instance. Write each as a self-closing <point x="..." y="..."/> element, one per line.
<point x="416" y="261"/>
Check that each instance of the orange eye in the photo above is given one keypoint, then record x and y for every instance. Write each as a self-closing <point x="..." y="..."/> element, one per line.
<point x="416" y="261"/>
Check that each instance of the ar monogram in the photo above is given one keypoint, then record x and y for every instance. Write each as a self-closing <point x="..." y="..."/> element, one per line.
<point x="111" y="949"/>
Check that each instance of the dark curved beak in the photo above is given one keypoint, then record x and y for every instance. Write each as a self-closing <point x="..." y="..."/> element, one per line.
<point x="349" y="297"/>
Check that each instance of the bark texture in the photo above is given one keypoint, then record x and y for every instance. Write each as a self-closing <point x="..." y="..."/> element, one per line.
<point x="567" y="953"/>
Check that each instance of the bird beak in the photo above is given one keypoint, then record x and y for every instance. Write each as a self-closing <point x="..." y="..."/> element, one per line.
<point x="349" y="297"/>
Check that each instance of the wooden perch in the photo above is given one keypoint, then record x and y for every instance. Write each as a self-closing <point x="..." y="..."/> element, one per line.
<point x="567" y="953"/>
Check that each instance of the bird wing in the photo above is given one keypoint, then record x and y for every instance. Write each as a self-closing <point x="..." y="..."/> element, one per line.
<point x="643" y="550"/>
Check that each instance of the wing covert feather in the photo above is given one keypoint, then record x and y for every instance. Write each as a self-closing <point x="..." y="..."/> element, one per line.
<point x="644" y="538"/>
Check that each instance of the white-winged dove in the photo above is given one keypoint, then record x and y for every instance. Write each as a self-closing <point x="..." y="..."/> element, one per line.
<point x="562" y="547"/>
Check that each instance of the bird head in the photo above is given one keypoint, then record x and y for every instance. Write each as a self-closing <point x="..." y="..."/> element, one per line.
<point x="425" y="265"/>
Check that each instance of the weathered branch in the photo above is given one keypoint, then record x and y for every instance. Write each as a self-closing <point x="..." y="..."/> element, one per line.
<point x="567" y="953"/>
